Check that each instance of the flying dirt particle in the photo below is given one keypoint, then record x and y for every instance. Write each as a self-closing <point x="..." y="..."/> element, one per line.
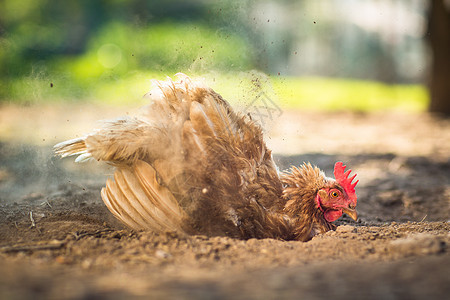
<point x="295" y="52"/>
<point x="314" y="22"/>
<point x="51" y="84"/>
<point x="278" y="73"/>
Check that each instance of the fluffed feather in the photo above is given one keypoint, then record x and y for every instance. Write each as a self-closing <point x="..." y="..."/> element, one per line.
<point x="191" y="164"/>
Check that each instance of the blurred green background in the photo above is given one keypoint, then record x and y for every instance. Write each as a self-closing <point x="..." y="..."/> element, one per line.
<point x="358" y="55"/>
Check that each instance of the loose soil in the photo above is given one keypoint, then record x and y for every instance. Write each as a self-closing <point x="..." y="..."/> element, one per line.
<point x="58" y="240"/>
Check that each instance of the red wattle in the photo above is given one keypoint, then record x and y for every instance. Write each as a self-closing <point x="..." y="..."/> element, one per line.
<point x="332" y="215"/>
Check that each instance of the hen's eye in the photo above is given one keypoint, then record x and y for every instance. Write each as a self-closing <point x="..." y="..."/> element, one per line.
<point x="334" y="194"/>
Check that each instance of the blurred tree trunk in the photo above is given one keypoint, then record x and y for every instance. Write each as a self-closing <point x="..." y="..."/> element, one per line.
<point x="439" y="30"/>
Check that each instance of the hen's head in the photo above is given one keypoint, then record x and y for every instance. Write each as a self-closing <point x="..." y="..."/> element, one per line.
<point x="309" y="192"/>
<point x="338" y="197"/>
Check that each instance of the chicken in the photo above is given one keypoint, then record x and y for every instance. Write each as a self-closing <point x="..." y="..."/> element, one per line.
<point x="191" y="164"/>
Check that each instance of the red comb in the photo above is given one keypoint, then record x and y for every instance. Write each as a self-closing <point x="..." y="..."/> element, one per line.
<point x="342" y="178"/>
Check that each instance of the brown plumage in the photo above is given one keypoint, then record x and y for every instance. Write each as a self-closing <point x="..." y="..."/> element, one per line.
<point x="191" y="164"/>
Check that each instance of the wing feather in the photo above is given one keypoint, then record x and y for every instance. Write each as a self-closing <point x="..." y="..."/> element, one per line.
<point x="137" y="199"/>
<point x="109" y="201"/>
<point x="131" y="191"/>
<point x="160" y="196"/>
<point x="119" y="204"/>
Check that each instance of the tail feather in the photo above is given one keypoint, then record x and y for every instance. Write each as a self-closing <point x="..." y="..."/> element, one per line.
<point x="137" y="199"/>
<point x="73" y="147"/>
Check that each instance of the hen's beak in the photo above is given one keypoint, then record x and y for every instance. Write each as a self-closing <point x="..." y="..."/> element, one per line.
<point x="351" y="213"/>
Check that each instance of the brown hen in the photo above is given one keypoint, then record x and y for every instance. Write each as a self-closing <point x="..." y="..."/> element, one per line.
<point x="193" y="165"/>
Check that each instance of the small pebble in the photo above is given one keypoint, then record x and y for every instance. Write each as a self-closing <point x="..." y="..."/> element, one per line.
<point x="162" y="254"/>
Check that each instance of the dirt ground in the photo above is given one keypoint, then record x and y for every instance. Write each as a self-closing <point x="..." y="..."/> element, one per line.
<point x="57" y="239"/>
